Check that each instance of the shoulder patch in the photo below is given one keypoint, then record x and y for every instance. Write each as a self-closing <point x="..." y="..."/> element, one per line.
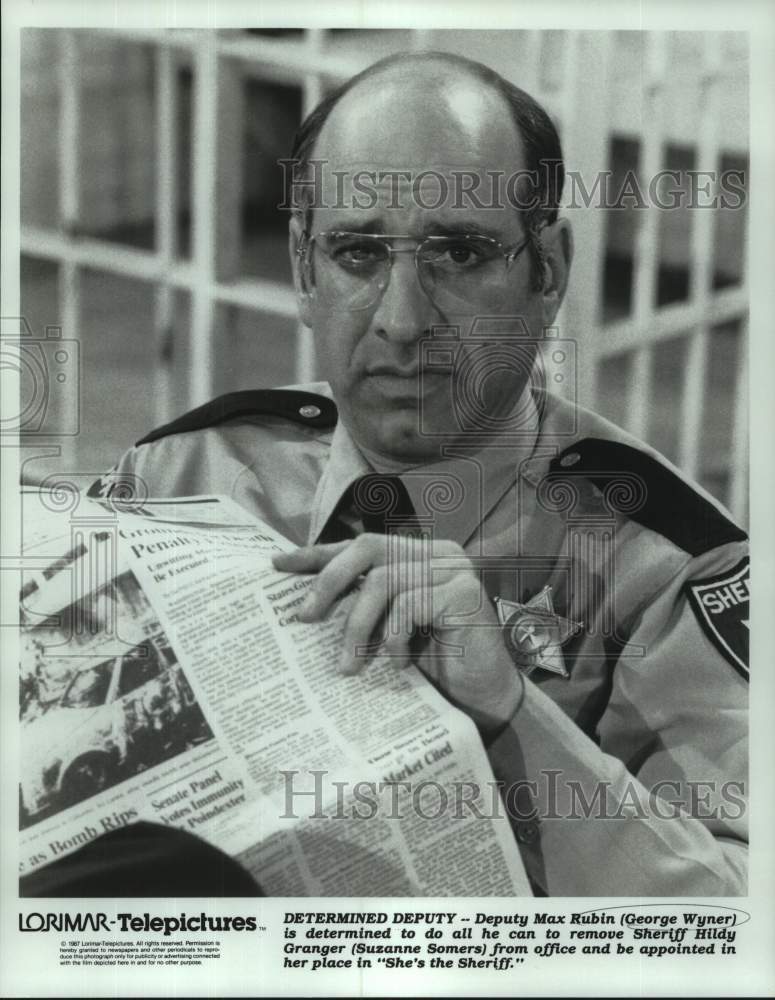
<point x="721" y="605"/>
<point x="644" y="489"/>
<point x="306" y="408"/>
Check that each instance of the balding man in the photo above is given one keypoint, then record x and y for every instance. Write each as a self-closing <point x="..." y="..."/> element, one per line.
<point x="598" y="598"/>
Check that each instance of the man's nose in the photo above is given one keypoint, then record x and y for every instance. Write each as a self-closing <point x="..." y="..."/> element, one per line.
<point x="405" y="312"/>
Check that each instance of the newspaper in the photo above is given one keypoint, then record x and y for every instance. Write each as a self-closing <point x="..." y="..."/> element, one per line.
<point x="165" y="677"/>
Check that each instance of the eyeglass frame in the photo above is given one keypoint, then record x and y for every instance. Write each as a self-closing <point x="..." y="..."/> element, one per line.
<point x="509" y="253"/>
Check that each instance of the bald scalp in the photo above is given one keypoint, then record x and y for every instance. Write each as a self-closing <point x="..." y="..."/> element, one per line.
<point x="405" y="72"/>
<point x="427" y="95"/>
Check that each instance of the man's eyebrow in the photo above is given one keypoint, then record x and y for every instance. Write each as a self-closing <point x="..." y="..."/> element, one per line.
<point x="374" y="225"/>
<point x="466" y="228"/>
<point x="377" y="227"/>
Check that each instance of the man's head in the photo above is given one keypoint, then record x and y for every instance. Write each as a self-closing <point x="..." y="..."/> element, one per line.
<point x="417" y="147"/>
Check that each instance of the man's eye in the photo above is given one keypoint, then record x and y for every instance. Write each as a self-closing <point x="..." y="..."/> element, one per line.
<point x="456" y="254"/>
<point x="356" y="254"/>
<point x="462" y="253"/>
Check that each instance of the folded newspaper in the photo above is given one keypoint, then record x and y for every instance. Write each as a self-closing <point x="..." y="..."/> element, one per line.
<point x="165" y="677"/>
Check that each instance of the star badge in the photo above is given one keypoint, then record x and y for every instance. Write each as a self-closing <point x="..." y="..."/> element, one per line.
<point x="534" y="634"/>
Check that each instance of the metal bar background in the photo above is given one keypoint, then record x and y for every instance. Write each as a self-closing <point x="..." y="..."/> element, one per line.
<point x="204" y="185"/>
<point x="165" y="218"/>
<point x="211" y="278"/>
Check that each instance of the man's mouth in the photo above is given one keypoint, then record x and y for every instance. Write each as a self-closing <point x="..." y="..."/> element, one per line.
<point x="394" y="371"/>
<point x="405" y="385"/>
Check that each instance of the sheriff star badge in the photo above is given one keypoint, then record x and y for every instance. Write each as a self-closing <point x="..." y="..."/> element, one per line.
<point x="534" y="634"/>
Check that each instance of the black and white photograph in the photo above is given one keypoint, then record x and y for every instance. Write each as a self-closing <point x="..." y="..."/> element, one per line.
<point x="461" y="314"/>
<point x="91" y="720"/>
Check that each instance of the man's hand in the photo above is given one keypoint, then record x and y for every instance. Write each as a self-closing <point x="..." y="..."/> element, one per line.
<point x="408" y="583"/>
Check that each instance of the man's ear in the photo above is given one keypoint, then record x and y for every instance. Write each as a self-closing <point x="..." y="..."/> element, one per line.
<point x="557" y="241"/>
<point x="303" y="295"/>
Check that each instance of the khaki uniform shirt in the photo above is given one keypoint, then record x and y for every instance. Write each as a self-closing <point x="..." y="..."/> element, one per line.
<point x="627" y="773"/>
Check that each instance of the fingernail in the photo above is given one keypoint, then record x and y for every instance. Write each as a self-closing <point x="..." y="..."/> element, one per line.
<point x="283" y="556"/>
<point x="308" y="606"/>
<point x="347" y="668"/>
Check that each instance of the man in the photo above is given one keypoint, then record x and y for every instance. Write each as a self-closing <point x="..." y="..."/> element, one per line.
<point x="614" y="693"/>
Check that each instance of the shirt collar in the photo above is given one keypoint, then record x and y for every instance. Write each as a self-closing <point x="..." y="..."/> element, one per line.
<point x="457" y="492"/>
<point x="345" y="465"/>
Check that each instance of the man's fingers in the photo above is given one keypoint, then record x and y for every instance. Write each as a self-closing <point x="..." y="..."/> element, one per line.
<point x="308" y="558"/>
<point x="395" y="653"/>
<point x="338" y="574"/>
<point x="400" y="613"/>
<point x="363" y="619"/>
<point x="339" y="566"/>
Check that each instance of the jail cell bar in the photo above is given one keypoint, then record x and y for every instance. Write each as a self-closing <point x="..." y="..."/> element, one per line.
<point x="211" y="276"/>
<point x="650" y="324"/>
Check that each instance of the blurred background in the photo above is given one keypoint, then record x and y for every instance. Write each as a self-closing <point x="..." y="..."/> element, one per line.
<point x="151" y="233"/>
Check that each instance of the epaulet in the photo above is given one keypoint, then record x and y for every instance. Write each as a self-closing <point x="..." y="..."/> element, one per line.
<point x="306" y="408"/>
<point x="646" y="490"/>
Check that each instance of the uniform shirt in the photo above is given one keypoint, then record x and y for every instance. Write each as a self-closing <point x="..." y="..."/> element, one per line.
<point x="625" y="766"/>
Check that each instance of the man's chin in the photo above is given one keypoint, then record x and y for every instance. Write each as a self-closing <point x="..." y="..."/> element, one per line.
<point x="400" y="437"/>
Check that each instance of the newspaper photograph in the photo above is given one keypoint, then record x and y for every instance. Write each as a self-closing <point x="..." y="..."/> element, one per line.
<point x="129" y="711"/>
<point x="104" y="721"/>
<point x="384" y="524"/>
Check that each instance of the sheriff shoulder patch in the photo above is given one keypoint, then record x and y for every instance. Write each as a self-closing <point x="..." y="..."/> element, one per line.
<point x="721" y="605"/>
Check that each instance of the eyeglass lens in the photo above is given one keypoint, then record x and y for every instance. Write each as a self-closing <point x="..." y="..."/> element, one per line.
<point x="457" y="272"/>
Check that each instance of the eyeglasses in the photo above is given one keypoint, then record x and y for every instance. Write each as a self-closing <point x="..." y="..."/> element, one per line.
<point x="457" y="272"/>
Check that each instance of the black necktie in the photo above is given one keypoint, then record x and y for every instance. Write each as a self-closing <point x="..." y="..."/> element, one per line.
<point x="381" y="503"/>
